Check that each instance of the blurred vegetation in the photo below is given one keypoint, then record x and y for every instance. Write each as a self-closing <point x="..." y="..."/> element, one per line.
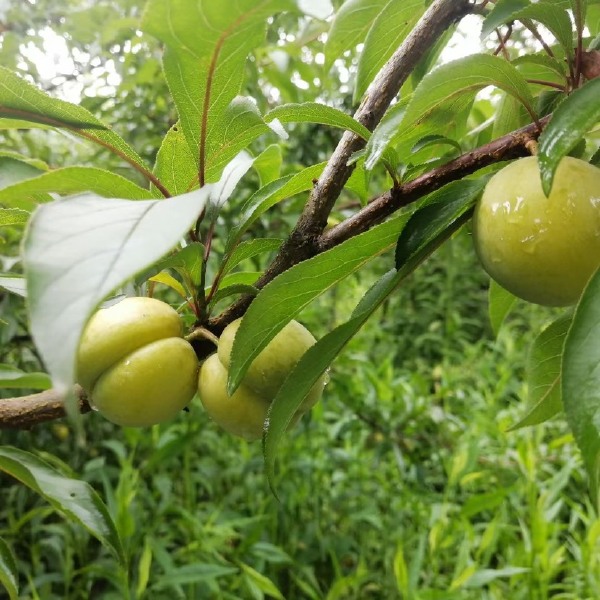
<point x="402" y="483"/>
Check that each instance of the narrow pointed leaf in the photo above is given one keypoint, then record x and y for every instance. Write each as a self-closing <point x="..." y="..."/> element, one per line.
<point x="350" y="27"/>
<point x="581" y="380"/>
<point x="176" y="166"/>
<point x="250" y="249"/>
<point x="314" y="112"/>
<point x="8" y="571"/>
<point x="268" y="196"/>
<point x="71" y="180"/>
<point x="79" y="250"/>
<point x="75" y="499"/>
<point x="268" y="164"/>
<point x="15" y="284"/>
<point x="544" y="373"/>
<point x="391" y="25"/>
<point x="14" y="170"/>
<point x="285" y="297"/>
<point x="574" y="117"/>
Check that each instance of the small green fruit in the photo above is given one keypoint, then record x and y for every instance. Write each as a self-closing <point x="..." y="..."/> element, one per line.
<point x="134" y="364"/>
<point x="543" y="250"/>
<point x="244" y="412"/>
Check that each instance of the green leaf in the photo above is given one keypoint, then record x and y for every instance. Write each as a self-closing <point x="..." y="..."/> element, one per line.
<point x="13" y="216"/>
<point x="187" y="261"/>
<point x="581" y="380"/>
<point x="194" y="573"/>
<point x="33" y="162"/>
<point x="79" y="250"/>
<point x="573" y="118"/>
<point x="500" y="303"/>
<point x="204" y="62"/>
<point x="250" y="249"/>
<point x="176" y="166"/>
<point x="232" y="290"/>
<point x="285" y="297"/>
<point x="266" y="197"/>
<point x="15" y="284"/>
<point x="240" y="124"/>
<point x="391" y="25"/>
<point x="502" y="12"/>
<point x="8" y="571"/>
<point x="70" y="180"/>
<point x="268" y="164"/>
<point x="350" y="27"/>
<point x="264" y="584"/>
<point x="438" y="211"/>
<point x="435" y="140"/>
<point x="543" y="373"/>
<point x="483" y="577"/>
<point x="314" y="112"/>
<point x="385" y="132"/>
<point x="14" y="170"/>
<point x="23" y="101"/>
<point x="11" y="377"/>
<point x="465" y="76"/>
<point x="75" y="499"/>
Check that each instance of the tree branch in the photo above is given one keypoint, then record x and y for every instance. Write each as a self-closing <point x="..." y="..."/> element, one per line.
<point x="27" y="411"/>
<point x="304" y="238"/>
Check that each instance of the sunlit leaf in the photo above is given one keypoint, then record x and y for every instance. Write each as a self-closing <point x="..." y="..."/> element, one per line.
<point x="250" y="249"/>
<point x="75" y="499"/>
<point x="314" y="112"/>
<point x="13" y="216"/>
<point x="71" y="180"/>
<point x="176" y="166"/>
<point x="79" y="250"/>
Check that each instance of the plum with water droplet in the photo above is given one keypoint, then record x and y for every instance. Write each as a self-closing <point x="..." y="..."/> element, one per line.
<point x="543" y="250"/>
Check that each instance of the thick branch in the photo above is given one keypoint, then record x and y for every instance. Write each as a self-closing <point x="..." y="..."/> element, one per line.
<point x="27" y="411"/>
<point x="512" y="145"/>
<point x="303" y="240"/>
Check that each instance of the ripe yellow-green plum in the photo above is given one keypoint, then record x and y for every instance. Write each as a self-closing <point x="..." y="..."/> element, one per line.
<point x="134" y="364"/>
<point x="543" y="250"/>
<point x="244" y="412"/>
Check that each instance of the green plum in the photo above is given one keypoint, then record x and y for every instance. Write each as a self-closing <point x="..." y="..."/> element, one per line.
<point x="543" y="250"/>
<point x="244" y="412"/>
<point x="134" y="364"/>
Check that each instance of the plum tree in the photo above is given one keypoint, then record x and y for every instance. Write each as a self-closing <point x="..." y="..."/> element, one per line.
<point x="134" y="363"/>
<point x="244" y="412"/>
<point x="543" y="250"/>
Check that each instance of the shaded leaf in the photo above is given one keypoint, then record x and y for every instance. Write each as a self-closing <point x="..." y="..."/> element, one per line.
<point x="186" y="261"/>
<point x="314" y="112"/>
<point x="581" y="380"/>
<point x="70" y="180"/>
<point x="268" y="164"/>
<point x="79" y="250"/>
<point x="543" y="373"/>
<point x="502" y="12"/>
<point x="500" y="303"/>
<point x="573" y="118"/>
<point x="264" y="584"/>
<point x="249" y="249"/>
<point x="11" y="377"/>
<point x="232" y="290"/>
<point x="194" y="573"/>
<point x="75" y="499"/>
<point x="13" y="170"/>
<point x="268" y="196"/>
<point x="8" y="571"/>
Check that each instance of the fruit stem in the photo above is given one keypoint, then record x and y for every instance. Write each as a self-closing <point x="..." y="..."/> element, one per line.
<point x="202" y="333"/>
<point x="532" y="146"/>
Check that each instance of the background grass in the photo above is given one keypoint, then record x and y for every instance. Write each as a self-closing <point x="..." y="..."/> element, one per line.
<point x="403" y="483"/>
